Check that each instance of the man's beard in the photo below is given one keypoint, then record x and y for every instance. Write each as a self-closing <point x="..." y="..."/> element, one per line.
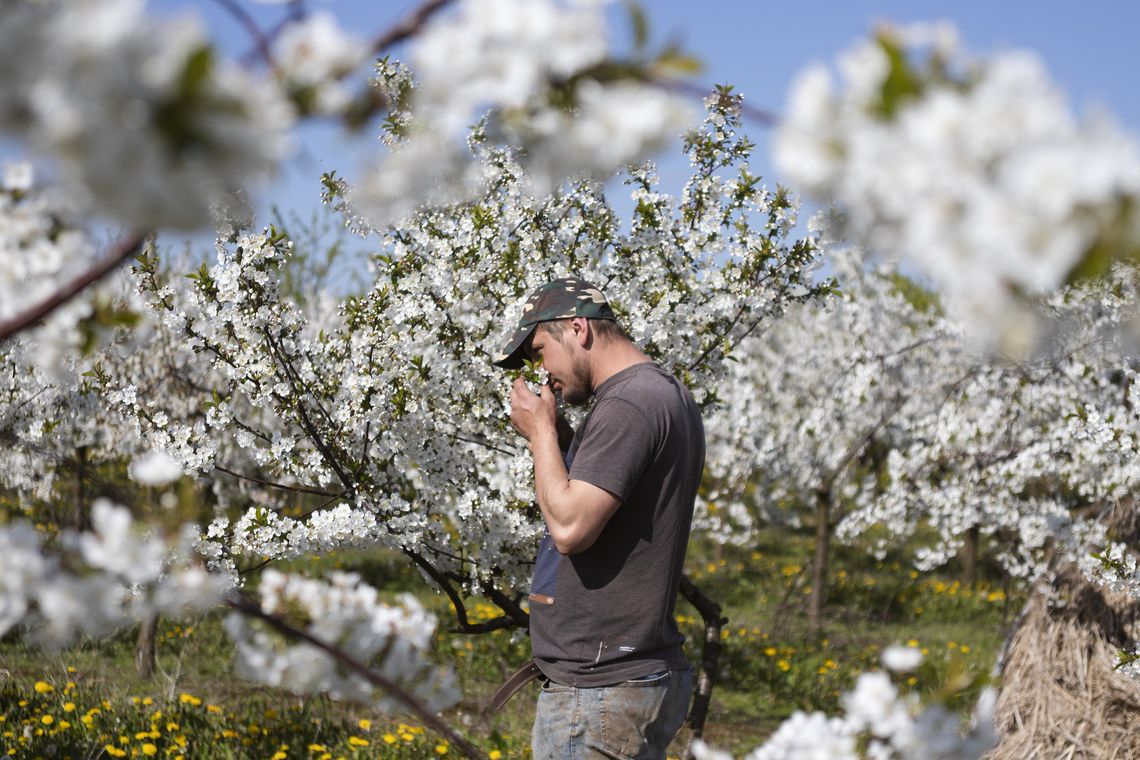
<point x="576" y="390"/>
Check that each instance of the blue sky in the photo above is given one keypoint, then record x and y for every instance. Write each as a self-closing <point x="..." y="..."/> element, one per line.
<point x="1089" y="49"/>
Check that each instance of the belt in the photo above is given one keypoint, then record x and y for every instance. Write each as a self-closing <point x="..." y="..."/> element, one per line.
<point x="516" y="681"/>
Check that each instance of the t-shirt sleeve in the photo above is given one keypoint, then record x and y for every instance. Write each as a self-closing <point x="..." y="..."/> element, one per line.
<point x="616" y="449"/>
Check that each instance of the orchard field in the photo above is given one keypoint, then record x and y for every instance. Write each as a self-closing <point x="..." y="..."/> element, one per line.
<point x="263" y="498"/>
<point x="66" y="704"/>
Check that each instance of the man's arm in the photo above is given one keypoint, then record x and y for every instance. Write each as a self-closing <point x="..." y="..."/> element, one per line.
<point x="575" y="511"/>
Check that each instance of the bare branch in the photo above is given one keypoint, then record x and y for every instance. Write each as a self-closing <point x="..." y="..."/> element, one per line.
<point x="126" y="248"/>
<point x="758" y="115"/>
<point x="710" y="656"/>
<point x="260" y="40"/>
<point x="408" y="26"/>
<point x="280" y="486"/>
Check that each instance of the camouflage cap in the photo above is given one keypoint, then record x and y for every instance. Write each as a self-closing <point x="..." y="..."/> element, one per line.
<point x="560" y="299"/>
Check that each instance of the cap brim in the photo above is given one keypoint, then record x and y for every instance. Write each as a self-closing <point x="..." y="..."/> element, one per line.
<point x="511" y="356"/>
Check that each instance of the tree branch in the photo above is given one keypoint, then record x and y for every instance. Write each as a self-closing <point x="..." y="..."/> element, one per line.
<point x="281" y="486"/>
<point x="260" y="40"/>
<point x="127" y="247"/>
<point x="710" y="656"/>
<point x="247" y="607"/>
<point x="408" y="26"/>
<point x="758" y="115"/>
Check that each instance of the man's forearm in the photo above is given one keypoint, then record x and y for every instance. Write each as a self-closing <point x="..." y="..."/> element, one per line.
<point x="551" y="481"/>
<point x="575" y="511"/>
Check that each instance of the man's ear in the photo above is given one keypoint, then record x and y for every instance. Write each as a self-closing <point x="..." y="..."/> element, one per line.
<point x="580" y="327"/>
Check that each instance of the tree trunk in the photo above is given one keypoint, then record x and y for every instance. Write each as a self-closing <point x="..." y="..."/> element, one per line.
<point x="969" y="556"/>
<point x="710" y="658"/>
<point x="146" y="646"/>
<point x="82" y="520"/>
<point x="819" y="565"/>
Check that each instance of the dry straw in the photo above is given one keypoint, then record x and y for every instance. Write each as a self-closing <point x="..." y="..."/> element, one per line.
<point x="1061" y="698"/>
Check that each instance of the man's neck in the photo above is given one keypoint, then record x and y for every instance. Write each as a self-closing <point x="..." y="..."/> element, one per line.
<point x="612" y="359"/>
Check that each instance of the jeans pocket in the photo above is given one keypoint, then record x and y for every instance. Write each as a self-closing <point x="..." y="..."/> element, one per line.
<point x="630" y="714"/>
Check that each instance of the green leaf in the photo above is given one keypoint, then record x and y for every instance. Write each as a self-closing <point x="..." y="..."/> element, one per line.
<point x="673" y="61"/>
<point x="901" y="83"/>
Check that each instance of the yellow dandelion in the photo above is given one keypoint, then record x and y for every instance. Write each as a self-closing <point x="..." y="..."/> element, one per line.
<point x="64" y="725"/>
<point x="784" y="665"/>
<point x="149" y="749"/>
<point x="441" y="748"/>
<point x="114" y="751"/>
<point x="69" y="707"/>
<point x="495" y="755"/>
<point x="47" y="720"/>
<point x="364" y="724"/>
<point x="316" y="748"/>
<point x="43" y="687"/>
<point x="356" y="741"/>
<point x="964" y="649"/>
<point x="279" y="755"/>
<point x="390" y="738"/>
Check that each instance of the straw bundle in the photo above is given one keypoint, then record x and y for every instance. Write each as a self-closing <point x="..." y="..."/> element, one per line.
<point x="1060" y="697"/>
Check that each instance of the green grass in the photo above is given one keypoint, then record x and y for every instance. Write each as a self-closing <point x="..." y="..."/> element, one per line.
<point x="772" y="664"/>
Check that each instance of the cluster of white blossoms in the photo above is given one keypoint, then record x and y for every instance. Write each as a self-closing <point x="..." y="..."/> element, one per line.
<point x="973" y="169"/>
<point x="143" y="120"/>
<point x="1117" y="568"/>
<point x="388" y="408"/>
<point x="878" y="723"/>
<point x="393" y="641"/>
<point x="535" y="71"/>
<point x="313" y="57"/>
<point x="1026" y="455"/>
<point x="42" y="246"/>
<point x="97" y="581"/>
<point x="838" y="382"/>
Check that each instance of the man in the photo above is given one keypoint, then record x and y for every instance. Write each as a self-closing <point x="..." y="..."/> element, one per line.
<point x="618" y="504"/>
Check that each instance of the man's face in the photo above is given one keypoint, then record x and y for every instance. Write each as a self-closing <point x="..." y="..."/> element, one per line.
<point x="565" y="362"/>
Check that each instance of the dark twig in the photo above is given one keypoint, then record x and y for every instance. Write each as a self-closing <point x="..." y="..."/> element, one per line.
<point x="691" y="89"/>
<point x="260" y="40"/>
<point x="421" y="711"/>
<point x="407" y="26"/>
<point x="710" y="657"/>
<point x="296" y="13"/>
<point x="280" y="486"/>
<point x="126" y="248"/>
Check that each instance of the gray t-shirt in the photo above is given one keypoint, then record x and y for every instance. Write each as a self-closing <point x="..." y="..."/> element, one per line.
<point x="605" y="615"/>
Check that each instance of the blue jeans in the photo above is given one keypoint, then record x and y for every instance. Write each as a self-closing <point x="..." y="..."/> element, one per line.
<point x="632" y="720"/>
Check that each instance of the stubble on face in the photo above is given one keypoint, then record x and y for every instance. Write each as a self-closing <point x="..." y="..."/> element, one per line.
<point x="576" y="389"/>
